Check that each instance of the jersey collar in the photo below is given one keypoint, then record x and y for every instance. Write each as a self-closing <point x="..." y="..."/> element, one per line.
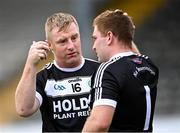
<point x="120" y="55"/>
<point x="70" y="69"/>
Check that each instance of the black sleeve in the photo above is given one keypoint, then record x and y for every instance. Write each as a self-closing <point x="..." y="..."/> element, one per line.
<point x="107" y="87"/>
<point x="110" y="86"/>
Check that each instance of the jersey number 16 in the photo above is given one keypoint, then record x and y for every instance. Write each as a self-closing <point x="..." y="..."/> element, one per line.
<point x="76" y="87"/>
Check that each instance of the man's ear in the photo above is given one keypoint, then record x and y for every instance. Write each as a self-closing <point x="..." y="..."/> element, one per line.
<point x="109" y="37"/>
<point x="50" y="45"/>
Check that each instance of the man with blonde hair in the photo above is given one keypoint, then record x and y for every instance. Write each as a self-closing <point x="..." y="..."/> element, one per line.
<point x="60" y="90"/>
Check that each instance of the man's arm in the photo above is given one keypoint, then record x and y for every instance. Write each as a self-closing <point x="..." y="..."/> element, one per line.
<point x="25" y="96"/>
<point x="100" y="119"/>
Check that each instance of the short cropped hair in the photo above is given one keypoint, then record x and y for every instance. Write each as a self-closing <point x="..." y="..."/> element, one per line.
<point x="118" y="22"/>
<point x="61" y="20"/>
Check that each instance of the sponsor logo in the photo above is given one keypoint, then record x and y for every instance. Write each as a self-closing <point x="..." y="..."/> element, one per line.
<point x="77" y="79"/>
<point x="71" y="108"/>
<point x="67" y="105"/>
<point x="67" y="87"/>
<point x="137" y="60"/>
<point x="59" y="87"/>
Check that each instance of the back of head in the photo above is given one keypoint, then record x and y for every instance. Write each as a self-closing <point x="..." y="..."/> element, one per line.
<point x="61" y="20"/>
<point x="118" y="22"/>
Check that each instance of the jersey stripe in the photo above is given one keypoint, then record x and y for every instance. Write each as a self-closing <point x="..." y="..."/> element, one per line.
<point x="96" y="81"/>
<point x="148" y="108"/>
<point x="99" y="76"/>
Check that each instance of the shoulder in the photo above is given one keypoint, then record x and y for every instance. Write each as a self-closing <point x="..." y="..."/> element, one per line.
<point x="113" y="67"/>
<point x="48" y="65"/>
<point x="110" y="64"/>
<point x="105" y="66"/>
<point x="148" y="61"/>
<point x="91" y="62"/>
<point x="45" y="69"/>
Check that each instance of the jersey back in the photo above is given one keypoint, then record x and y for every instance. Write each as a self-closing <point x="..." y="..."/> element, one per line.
<point x="131" y="83"/>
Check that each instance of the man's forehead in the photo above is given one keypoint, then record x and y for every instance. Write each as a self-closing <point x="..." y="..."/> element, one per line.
<point x="95" y="28"/>
<point x="96" y="31"/>
<point x="67" y="28"/>
<point x="65" y="33"/>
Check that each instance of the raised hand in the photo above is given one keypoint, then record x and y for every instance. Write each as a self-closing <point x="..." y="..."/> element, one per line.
<point x="38" y="51"/>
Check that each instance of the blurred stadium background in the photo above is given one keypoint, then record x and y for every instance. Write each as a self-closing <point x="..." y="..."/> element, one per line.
<point x="157" y="35"/>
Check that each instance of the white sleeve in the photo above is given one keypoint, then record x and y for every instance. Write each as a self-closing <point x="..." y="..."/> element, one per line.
<point x="39" y="97"/>
<point x="108" y="102"/>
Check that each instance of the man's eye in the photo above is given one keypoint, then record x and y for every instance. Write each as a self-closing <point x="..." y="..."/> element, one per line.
<point x="74" y="37"/>
<point x="93" y="38"/>
<point x="62" y="41"/>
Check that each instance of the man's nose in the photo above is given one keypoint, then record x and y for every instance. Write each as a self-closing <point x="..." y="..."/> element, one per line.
<point x="70" y="45"/>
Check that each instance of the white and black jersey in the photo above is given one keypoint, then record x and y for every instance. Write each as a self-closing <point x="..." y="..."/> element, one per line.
<point x="128" y="83"/>
<point x="64" y="96"/>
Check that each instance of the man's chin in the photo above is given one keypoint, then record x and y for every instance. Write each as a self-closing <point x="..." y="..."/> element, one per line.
<point x="74" y="60"/>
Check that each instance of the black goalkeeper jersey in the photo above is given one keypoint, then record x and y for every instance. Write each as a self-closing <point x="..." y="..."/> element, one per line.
<point x="64" y="96"/>
<point x="128" y="83"/>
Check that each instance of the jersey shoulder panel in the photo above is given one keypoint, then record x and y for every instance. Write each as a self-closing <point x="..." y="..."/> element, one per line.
<point x="48" y="65"/>
<point x="144" y="69"/>
<point x="91" y="60"/>
<point x="44" y="72"/>
<point x="91" y="64"/>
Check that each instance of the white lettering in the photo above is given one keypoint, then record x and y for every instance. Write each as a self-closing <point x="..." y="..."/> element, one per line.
<point x="57" y="107"/>
<point x="74" y="105"/>
<point x="69" y="106"/>
<point x="83" y="113"/>
<point x="64" y="116"/>
<point x="145" y="68"/>
<point x="135" y="73"/>
<point x="79" y="113"/>
<point x="84" y="103"/>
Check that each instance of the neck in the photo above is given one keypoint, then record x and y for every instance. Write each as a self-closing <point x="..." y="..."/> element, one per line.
<point x="119" y="49"/>
<point x="70" y="64"/>
<point x="70" y="69"/>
